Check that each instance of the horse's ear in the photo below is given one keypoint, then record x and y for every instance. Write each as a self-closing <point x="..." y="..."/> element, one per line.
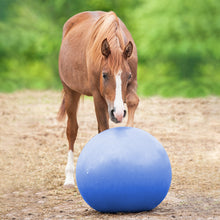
<point x="128" y="49"/>
<point x="105" y="48"/>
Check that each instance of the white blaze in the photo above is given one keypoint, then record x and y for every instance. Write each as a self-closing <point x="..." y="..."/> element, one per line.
<point x="118" y="102"/>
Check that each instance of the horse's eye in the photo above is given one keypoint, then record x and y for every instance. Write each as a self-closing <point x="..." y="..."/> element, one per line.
<point x="129" y="76"/>
<point x="105" y="75"/>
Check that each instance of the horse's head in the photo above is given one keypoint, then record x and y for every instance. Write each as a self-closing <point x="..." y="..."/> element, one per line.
<point x="115" y="77"/>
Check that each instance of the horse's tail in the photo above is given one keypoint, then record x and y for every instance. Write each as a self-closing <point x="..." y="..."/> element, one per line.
<point x="62" y="111"/>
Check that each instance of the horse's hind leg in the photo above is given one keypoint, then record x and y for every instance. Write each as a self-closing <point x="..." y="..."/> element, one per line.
<point x="71" y="105"/>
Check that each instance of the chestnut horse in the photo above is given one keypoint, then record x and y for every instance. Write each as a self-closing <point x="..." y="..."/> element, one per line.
<point x="98" y="58"/>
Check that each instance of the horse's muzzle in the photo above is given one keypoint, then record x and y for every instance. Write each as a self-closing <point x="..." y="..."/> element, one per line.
<point x="113" y="118"/>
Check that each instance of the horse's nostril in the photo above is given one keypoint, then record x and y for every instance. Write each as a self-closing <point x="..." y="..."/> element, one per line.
<point x="125" y="112"/>
<point x="112" y="113"/>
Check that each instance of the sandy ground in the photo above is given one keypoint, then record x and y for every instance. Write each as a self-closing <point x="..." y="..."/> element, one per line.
<point x="33" y="154"/>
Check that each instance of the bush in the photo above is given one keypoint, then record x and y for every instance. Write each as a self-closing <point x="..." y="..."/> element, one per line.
<point x="178" y="45"/>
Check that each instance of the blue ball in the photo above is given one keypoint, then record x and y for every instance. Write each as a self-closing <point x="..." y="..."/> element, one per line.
<point x="123" y="169"/>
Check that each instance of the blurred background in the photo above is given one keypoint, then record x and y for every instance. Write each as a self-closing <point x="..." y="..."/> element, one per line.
<point x="178" y="43"/>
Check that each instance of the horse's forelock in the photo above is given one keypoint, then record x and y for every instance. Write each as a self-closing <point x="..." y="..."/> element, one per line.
<point x="115" y="61"/>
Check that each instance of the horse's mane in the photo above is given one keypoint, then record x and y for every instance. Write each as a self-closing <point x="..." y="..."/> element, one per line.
<point x="107" y="26"/>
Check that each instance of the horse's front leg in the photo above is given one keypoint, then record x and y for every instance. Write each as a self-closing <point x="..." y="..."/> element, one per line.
<point x="132" y="101"/>
<point x="101" y="110"/>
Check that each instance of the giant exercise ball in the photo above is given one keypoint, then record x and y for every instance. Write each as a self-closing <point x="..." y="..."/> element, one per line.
<point x="123" y="169"/>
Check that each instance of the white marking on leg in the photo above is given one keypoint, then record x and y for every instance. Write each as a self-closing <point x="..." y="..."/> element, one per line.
<point x="69" y="171"/>
<point x="118" y="103"/>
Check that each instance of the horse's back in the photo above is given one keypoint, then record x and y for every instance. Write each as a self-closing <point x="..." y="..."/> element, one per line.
<point x="72" y="58"/>
<point x="88" y="17"/>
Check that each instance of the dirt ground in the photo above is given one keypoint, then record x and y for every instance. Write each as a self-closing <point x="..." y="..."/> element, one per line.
<point x="33" y="155"/>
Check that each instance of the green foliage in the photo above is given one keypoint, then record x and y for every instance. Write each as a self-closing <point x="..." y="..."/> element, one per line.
<point x="177" y="41"/>
<point x="178" y="44"/>
<point x="27" y="49"/>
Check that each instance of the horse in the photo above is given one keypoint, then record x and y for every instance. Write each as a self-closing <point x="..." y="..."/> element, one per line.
<point x="98" y="58"/>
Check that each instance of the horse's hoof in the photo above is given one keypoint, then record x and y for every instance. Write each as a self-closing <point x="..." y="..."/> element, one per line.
<point x="69" y="185"/>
